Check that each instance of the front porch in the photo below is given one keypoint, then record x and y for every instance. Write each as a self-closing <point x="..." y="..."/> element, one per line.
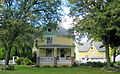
<point x="55" y="56"/>
<point x="49" y="61"/>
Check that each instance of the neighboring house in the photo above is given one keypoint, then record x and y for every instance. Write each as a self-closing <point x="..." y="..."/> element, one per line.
<point x="90" y="52"/>
<point x="117" y="59"/>
<point x="56" y="49"/>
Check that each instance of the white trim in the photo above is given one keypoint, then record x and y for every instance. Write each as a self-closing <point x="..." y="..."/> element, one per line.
<point x="53" y="47"/>
<point x="49" y="36"/>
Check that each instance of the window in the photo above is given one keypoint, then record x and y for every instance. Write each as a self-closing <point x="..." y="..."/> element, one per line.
<point x="49" y="30"/>
<point x="49" y="40"/>
<point x="83" y="58"/>
<point x="48" y="52"/>
<point x="92" y="52"/>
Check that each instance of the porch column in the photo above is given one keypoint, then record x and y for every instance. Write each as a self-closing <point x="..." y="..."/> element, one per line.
<point x="37" y="57"/>
<point x="72" y="56"/>
<point x="55" y="57"/>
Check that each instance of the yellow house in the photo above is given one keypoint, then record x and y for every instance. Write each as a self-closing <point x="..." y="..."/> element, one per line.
<point x="56" y="49"/>
<point x="90" y="52"/>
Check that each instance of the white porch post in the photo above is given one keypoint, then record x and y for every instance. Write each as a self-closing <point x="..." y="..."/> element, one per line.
<point x="72" y="56"/>
<point x="38" y="57"/>
<point x="55" y="57"/>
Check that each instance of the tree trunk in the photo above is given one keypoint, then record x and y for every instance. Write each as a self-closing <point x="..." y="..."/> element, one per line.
<point x="114" y="55"/>
<point x="8" y="51"/>
<point x="7" y="57"/>
<point x="107" y="55"/>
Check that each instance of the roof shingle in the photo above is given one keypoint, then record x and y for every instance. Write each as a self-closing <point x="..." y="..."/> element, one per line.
<point x="85" y="46"/>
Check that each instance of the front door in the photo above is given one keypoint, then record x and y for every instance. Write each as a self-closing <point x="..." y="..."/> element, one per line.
<point x="48" y="52"/>
<point x="62" y="53"/>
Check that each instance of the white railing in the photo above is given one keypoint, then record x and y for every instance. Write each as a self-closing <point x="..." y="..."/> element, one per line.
<point x="2" y="62"/>
<point x="66" y="60"/>
<point x="46" y="60"/>
<point x="50" y="60"/>
<point x="11" y="62"/>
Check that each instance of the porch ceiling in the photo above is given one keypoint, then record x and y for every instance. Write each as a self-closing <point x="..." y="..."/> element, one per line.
<point x="55" y="46"/>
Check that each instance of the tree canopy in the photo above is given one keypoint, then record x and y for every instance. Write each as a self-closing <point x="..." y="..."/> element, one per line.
<point x="24" y="19"/>
<point x="100" y="21"/>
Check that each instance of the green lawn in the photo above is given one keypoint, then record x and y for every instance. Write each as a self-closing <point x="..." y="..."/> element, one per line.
<point x="30" y="70"/>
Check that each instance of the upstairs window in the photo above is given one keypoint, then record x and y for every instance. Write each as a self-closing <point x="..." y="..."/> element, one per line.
<point x="49" y="40"/>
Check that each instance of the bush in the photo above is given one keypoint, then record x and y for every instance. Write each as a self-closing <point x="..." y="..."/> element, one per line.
<point x="110" y="69"/>
<point x="23" y="61"/>
<point x="74" y="65"/>
<point x="64" y="66"/>
<point x="93" y="64"/>
<point x="20" y="61"/>
<point x="117" y="64"/>
<point x="47" y="66"/>
<point x="83" y="64"/>
<point x="27" y="61"/>
<point x="8" y="67"/>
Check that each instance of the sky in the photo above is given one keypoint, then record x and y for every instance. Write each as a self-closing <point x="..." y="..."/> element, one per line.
<point x="67" y="21"/>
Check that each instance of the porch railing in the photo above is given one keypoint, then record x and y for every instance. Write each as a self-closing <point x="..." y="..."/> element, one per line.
<point x="50" y="60"/>
<point x="46" y="60"/>
<point x="61" y="60"/>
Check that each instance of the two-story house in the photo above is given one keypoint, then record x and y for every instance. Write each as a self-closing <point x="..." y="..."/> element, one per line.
<point x="56" y="49"/>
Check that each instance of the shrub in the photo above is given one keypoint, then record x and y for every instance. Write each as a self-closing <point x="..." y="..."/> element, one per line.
<point x="27" y="61"/>
<point x="8" y="67"/>
<point x="64" y="66"/>
<point x="74" y="65"/>
<point x="110" y="69"/>
<point x="97" y="64"/>
<point x="20" y="61"/>
<point x="23" y="61"/>
<point x="93" y="64"/>
<point x="117" y="64"/>
<point x="83" y="64"/>
<point x="47" y="66"/>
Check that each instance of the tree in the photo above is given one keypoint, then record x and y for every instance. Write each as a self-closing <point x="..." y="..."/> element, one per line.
<point x="2" y="54"/>
<point x="101" y="21"/>
<point x="21" y="18"/>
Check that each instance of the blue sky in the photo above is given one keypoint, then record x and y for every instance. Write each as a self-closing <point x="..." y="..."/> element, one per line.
<point x="67" y="21"/>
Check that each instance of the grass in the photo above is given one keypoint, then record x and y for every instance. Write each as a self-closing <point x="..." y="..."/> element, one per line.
<point x="30" y="70"/>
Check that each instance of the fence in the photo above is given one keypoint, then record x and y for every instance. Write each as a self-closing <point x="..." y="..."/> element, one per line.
<point x="11" y="62"/>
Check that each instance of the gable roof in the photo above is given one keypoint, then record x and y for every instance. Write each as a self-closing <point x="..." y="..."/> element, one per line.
<point x="98" y="46"/>
<point x="53" y="32"/>
<point x="59" y="31"/>
<point x="85" y="46"/>
<point x="62" y="30"/>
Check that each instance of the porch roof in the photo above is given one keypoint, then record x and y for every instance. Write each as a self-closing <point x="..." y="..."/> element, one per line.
<point x="56" y="46"/>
